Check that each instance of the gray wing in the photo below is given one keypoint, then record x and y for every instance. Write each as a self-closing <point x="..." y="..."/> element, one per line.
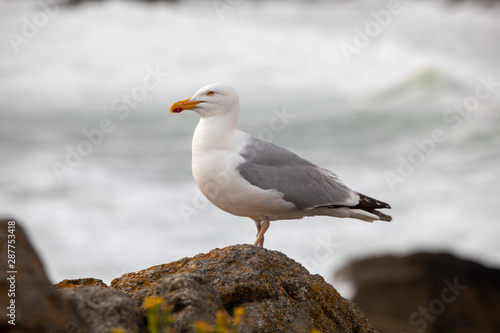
<point x="269" y="166"/>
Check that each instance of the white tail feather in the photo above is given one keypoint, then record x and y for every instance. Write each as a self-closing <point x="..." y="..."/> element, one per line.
<point x="363" y="215"/>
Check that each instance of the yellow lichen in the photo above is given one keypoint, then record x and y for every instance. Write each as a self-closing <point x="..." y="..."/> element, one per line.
<point x="158" y="315"/>
<point x="152" y="302"/>
<point x="238" y="313"/>
<point x="202" y="327"/>
<point x="117" y="330"/>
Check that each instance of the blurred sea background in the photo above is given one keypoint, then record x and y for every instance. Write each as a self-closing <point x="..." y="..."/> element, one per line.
<point x="130" y="201"/>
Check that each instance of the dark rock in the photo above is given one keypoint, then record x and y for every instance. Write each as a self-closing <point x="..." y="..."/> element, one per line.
<point x="38" y="305"/>
<point x="106" y="308"/>
<point x="191" y="299"/>
<point x="278" y="294"/>
<point x="427" y="293"/>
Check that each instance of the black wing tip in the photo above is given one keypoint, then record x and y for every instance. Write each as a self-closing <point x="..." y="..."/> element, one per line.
<point x="369" y="202"/>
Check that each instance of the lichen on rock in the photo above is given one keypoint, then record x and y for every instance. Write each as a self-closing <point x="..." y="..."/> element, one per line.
<point x="278" y="294"/>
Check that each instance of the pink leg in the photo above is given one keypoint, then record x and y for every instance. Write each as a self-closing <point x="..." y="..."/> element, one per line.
<point x="261" y="230"/>
<point x="257" y="224"/>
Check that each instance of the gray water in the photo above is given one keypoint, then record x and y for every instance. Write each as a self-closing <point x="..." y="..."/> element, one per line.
<point x="99" y="171"/>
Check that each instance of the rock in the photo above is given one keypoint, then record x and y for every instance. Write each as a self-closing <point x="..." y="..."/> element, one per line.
<point x="104" y="309"/>
<point x="191" y="299"/>
<point x="38" y="305"/>
<point x="278" y="294"/>
<point x="80" y="283"/>
<point x="427" y="293"/>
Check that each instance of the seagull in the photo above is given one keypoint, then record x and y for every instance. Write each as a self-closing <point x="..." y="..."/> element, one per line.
<point x="248" y="177"/>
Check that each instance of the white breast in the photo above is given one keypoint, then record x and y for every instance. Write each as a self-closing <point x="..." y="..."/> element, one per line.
<point x="215" y="162"/>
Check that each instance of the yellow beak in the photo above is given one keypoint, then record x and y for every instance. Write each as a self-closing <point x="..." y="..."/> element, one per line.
<point x="186" y="104"/>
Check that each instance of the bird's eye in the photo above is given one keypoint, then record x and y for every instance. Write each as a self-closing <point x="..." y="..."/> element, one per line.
<point x="210" y="93"/>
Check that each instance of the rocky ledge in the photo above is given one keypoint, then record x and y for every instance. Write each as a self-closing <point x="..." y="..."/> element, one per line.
<point x="276" y="293"/>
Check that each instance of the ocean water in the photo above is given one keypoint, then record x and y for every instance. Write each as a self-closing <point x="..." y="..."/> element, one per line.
<point x="402" y="103"/>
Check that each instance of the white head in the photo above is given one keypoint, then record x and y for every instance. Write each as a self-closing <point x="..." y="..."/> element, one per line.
<point x="212" y="100"/>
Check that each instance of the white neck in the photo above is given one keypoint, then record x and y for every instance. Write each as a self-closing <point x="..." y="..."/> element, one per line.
<point x="214" y="132"/>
